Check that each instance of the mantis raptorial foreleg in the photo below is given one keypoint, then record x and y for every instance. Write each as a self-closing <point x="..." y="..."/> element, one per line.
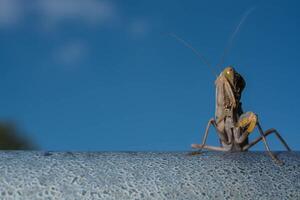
<point x="244" y="127"/>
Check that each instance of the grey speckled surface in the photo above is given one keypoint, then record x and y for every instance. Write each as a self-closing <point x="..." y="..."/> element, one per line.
<point x="146" y="175"/>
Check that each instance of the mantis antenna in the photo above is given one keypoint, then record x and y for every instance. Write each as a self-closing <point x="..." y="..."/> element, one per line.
<point x="202" y="58"/>
<point x="227" y="48"/>
<point x="233" y="35"/>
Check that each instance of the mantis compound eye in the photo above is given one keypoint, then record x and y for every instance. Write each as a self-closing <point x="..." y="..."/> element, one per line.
<point x="229" y="74"/>
<point x="228" y="70"/>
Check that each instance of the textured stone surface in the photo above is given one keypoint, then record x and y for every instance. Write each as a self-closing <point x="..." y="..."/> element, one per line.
<point x="146" y="175"/>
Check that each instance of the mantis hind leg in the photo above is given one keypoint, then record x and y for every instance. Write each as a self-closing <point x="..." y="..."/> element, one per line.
<point x="203" y="145"/>
<point x="212" y="148"/>
<point x="247" y="123"/>
<point x="266" y="133"/>
<point x="266" y="145"/>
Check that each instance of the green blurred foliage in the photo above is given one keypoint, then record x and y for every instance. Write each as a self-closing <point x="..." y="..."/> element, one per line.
<point x="11" y="138"/>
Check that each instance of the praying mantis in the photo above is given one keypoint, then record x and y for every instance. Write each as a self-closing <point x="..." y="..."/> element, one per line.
<point x="232" y="125"/>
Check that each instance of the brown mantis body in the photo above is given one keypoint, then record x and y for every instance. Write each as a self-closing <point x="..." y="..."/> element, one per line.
<point x="232" y="125"/>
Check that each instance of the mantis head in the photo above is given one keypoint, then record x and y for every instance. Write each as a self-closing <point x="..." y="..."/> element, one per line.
<point x="229" y="73"/>
<point x="236" y="81"/>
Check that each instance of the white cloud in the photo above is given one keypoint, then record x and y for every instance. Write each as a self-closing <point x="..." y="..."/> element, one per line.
<point x="48" y="15"/>
<point x="57" y="11"/>
<point x="138" y="28"/>
<point x="71" y="53"/>
<point x="10" y="12"/>
<point x="88" y="11"/>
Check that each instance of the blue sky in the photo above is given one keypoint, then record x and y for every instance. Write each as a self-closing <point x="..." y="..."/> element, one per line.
<point x="104" y="75"/>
